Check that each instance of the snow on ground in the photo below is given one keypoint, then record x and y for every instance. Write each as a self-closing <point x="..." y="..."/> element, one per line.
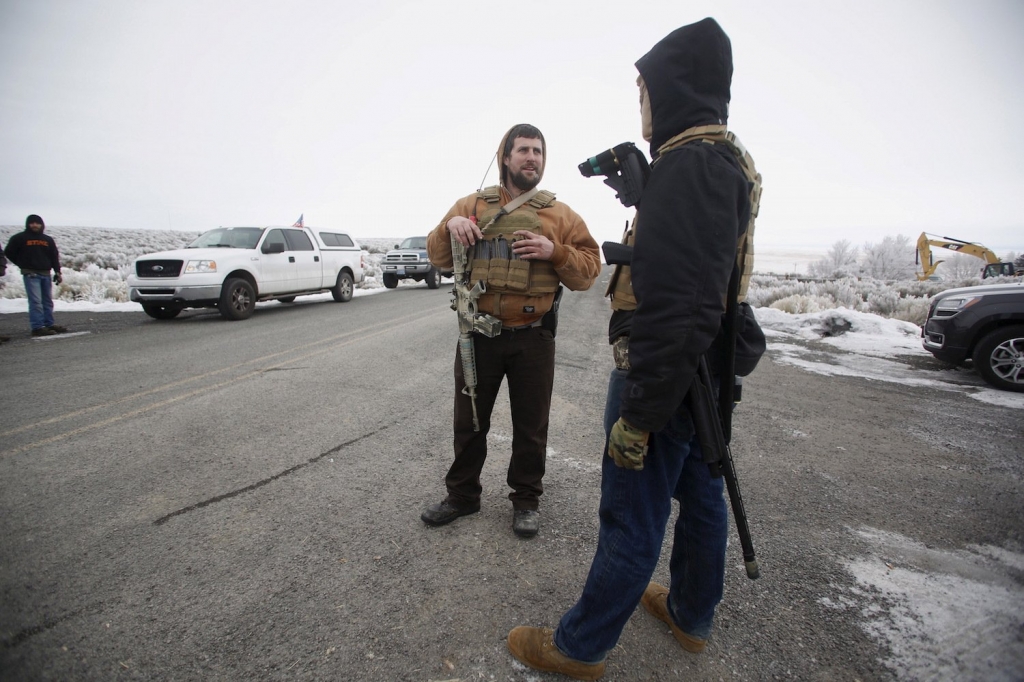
<point x="843" y="342"/>
<point x="945" y="614"/>
<point x="20" y="305"/>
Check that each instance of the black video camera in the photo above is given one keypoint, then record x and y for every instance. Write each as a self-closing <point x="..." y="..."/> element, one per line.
<point x="627" y="170"/>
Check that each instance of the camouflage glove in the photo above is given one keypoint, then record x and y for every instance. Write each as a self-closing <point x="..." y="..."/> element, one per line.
<point x="627" y="445"/>
<point x="57" y="279"/>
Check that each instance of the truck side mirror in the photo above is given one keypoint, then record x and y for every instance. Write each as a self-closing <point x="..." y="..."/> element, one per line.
<point x="275" y="247"/>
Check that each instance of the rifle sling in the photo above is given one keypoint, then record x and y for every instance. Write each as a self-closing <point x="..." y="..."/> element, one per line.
<point x="511" y="206"/>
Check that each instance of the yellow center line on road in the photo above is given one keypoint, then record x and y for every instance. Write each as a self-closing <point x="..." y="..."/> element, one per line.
<point x="362" y="335"/>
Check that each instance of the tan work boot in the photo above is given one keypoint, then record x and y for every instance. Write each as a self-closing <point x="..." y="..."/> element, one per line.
<point x="536" y="648"/>
<point x="655" y="600"/>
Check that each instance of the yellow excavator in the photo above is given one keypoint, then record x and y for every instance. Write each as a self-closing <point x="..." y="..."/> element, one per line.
<point x="994" y="267"/>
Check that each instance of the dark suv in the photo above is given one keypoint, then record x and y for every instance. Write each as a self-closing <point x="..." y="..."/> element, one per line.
<point x="408" y="260"/>
<point x="984" y="324"/>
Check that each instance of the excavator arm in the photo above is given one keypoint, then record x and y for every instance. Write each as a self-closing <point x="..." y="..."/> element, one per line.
<point x="924" y="252"/>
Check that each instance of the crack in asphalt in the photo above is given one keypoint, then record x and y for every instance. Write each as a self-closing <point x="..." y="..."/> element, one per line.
<point x="259" y="484"/>
<point x="38" y="629"/>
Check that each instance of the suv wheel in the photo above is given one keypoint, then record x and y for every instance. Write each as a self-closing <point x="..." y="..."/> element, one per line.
<point x="433" y="278"/>
<point x="999" y="358"/>
<point x="390" y="280"/>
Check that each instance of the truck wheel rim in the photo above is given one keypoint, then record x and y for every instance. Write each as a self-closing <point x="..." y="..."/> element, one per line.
<point x="240" y="299"/>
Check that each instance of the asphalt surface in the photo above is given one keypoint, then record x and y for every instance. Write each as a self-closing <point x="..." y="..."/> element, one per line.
<point x="206" y="500"/>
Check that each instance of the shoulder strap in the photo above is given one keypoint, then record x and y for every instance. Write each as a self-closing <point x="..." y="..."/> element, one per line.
<point x="511" y="206"/>
<point x="710" y="132"/>
<point x="745" y="244"/>
<point x="718" y="134"/>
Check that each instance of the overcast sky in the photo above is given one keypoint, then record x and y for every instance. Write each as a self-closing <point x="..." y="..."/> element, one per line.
<point x="866" y="119"/>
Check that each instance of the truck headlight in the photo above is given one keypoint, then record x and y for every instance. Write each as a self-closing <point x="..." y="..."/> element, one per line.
<point x="956" y="303"/>
<point x="194" y="266"/>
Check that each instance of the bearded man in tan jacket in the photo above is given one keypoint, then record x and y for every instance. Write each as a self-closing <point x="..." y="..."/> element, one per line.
<point x="522" y="253"/>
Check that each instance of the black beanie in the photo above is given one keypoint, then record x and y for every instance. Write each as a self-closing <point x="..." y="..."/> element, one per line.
<point x="34" y="219"/>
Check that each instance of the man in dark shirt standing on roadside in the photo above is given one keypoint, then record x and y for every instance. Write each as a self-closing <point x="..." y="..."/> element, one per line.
<point x="35" y="254"/>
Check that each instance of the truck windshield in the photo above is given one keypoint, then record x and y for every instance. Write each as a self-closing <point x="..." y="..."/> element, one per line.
<point x="228" y="238"/>
<point x="414" y="243"/>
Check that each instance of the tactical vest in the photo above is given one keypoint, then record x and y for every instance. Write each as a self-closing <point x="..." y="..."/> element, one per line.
<point x="492" y="259"/>
<point x="620" y="287"/>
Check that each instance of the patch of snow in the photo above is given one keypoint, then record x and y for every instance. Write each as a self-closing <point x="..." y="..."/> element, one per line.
<point x="944" y="614"/>
<point x="867" y="346"/>
<point x="20" y="305"/>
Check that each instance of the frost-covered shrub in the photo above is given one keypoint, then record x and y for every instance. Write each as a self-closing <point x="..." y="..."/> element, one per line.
<point x="843" y="291"/>
<point x="106" y="247"/>
<point x="371" y="263"/>
<point x="11" y="285"/>
<point x="764" y="291"/>
<point x="802" y="303"/>
<point x="905" y="300"/>
<point x="926" y="289"/>
<point x="912" y="310"/>
<point x="377" y="245"/>
<point x="883" y="303"/>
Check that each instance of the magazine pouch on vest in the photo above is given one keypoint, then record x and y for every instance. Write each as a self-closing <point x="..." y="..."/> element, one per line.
<point x="493" y="260"/>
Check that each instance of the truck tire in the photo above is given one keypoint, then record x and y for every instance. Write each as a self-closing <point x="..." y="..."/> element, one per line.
<point x="999" y="358"/>
<point x="390" y="280"/>
<point x="433" y="278"/>
<point x="286" y="299"/>
<point x="342" y="291"/>
<point x="160" y="312"/>
<point x="237" y="299"/>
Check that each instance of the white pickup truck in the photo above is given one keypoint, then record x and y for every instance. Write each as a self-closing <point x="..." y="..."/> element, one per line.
<point x="231" y="268"/>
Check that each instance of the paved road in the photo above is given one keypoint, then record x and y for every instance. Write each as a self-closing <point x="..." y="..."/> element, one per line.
<point x="199" y="499"/>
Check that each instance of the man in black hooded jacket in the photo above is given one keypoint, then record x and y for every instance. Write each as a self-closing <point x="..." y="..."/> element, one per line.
<point x="667" y="310"/>
<point x="35" y="254"/>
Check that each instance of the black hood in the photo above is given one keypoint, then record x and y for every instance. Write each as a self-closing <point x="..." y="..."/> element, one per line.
<point x="688" y="75"/>
<point x="34" y="219"/>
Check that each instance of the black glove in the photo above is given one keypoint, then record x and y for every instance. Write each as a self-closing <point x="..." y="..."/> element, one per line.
<point x="57" y="279"/>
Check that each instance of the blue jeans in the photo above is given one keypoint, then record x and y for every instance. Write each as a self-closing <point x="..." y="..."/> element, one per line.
<point x="40" y="300"/>
<point x="634" y="511"/>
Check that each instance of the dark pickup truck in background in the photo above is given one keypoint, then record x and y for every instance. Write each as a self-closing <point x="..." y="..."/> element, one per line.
<point x="408" y="260"/>
<point x="983" y="324"/>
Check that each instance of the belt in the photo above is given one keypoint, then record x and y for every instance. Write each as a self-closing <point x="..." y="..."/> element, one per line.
<point x="535" y="323"/>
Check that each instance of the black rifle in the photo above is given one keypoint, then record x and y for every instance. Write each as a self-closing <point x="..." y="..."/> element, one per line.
<point x="713" y="422"/>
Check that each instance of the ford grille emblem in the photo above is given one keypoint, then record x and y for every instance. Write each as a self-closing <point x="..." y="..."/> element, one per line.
<point x="158" y="268"/>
